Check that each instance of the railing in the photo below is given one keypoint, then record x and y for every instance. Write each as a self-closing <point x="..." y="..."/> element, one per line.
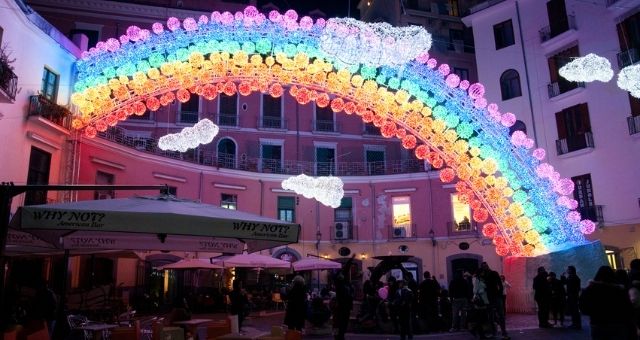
<point x="546" y="33"/>
<point x="574" y="143"/>
<point x="343" y="231"/>
<point x="227" y="120"/>
<point x="634" y="124"/>
<point x="404" y="231"/>
<point x="628" y="57"/>
<point x="42" y="107"/>
<point x="593" y="213"/>
<point x="462" y="229"/>
<point x="267" y="122"/>
<point x="8" y="82"/>
<point x="286" y="167"/>
<point x="325" y="126"/>
<point x="187" y="117"/>
<point x="559" y="87"/>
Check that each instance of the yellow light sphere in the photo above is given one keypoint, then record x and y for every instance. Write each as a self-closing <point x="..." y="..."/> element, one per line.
<point x="516" y="209"/>
<point x="474" y="151"/>
<point x="490" y="180"/>
<point x="507" y="192"/>
<point x="475" y="163"/>
<point x="401" y="96"/>
<point x="357" y="80"/>
<point x="525" y="223"/>
<point x="501" y="182"/>
<point x="167" y="69"/>
<point x="196" y="58"/>
<point x="489" y="166"/>
<point x="153" y="73"/>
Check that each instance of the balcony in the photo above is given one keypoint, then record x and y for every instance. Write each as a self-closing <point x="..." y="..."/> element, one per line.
<point x="402" y="232"/>
<point x="325" y="126"/>
<point x="628" y="57"/>
<point x="227" y="120"/>
<point x="276" y="123"/>
<point x="343" y="231"/>
<point x="8" y="84"/>
<point x="593" y="213"/>
<point x="574" y="143"/>
<point x="40" y="106"/>
<point x="634" y="124"/>
<point x="557" y="88"/>
<point x="546" y="34"/>
<point x="186" y="117"/>
<point x="466" y="229"/>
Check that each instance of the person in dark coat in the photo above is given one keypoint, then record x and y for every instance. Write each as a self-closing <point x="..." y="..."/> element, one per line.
<point x="342" y="304"/>
<point x="239" y="302"/>
<point x="558" y="296"/>
<point x="572" y="282"/>
<point x="459" y="293"/>
<point x="608" y="306"/>
<point x="542" y="295"/>
<point x="428" y="299"/>
<point x="296" y="305"/>
<point x="403" y="301"/>
<point x="495" y="293"/>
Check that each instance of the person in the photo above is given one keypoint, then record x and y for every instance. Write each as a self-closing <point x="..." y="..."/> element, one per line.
<point x="608" y="306"/>
<point x="296" y="311"/>
<point x="342" y="304"/>
<point x="622" y="278"/>
<point x="402" y="303"/>
<point x="392" y="289"/>
<point x="239" y="302"/>
<point x="444" y="310"/>
<point x="46" y="306"/>
<point x="459" y="294"/>
<point x="495" y="292"/>
<point x="558" y="295"/>
<point x="634" y="271"/>
<point x="478" y="318"/>
<point x="428" y="301"/>
<point x="572" y="282"/>
<point x="542" y="295"/>
<point x="505" y="287"/>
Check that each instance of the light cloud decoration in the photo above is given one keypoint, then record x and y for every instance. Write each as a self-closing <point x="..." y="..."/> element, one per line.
<point x="327" y="190"/>
<point x="629" y="79"/>
<point x="202" y="132"/>
<point x="587" y="69"/>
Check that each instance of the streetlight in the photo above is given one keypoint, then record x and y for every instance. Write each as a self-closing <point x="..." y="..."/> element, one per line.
<point x="318" y="238"/>
<point x="432" y="236"/>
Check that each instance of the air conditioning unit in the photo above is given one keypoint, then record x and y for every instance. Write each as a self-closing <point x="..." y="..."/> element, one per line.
<point x="104" y="196"/>
<point x="341" y="230"/>
<point x="399" y="232"/>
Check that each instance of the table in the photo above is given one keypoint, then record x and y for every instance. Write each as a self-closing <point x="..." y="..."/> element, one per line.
<point x="97" y="329"/>
<point x="192" y="325"/>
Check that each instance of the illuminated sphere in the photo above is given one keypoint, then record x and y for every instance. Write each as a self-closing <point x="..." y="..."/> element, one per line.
<point x="421" y="151"/>
<point x="539" y="154"/>
<point x="173" y="23"/>
<point x="409" y="142"/>
<point x="322" y="100"/>
<point x="464" y="84"/>
<point x="101" y="126"/>
<point x="90" y="131"/>
<point x="573" y="216"/>
<point x="508" y="119"/>
<point x="388" y="129"/>
<point x="480" y="215"/>
<point x="337" y="105"/>
<point x="490" y="230"/>
<point x="587" y="226"/>
<point x="452" y="80"/>
<point x="276" y="90"/>
<point x="183" y="95"/>
<point x="476" y="91"/>
<point x="447" y="175"/>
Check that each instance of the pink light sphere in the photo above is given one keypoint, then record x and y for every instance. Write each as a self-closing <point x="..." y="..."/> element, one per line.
<point x="134" y="33"/>
<point x="203" y="20"/>
<point x="565" y="186"/>
<point x="544" y="170"/>
<point x="528" y="143"/>
<point x="431" y="63"/>
<point x="480" y="103"/>
<point x="251" y="12"/>
<point x="452" y="80"/>
<point x="190" y="24"/>
<point x="587" y="226"/>
<point x="464" y="85"/>
<point x="173" y="23"/>
<point x="157" y="28"/>
<point x="573" y="216"/>
<point x="215" y="16"/>
<point x="321" y="22"/>
<point x="275" y="16"/>
<point x="226" y="18"/>
<point x="291" y="15"/>
<point x="112" y="44"/>
<point x="422" y="57"/>
<point x="492" y="108"/>
<point x="518" y="138"/>
<point x="539" y="154"/>
<point x="508" y="119"/>
<point x="306" y="23"/>
<point x="564" y="201"/>
<point x="238" y="16"/>
<point x="476" y="91"/>
<point x="444" y="69"/>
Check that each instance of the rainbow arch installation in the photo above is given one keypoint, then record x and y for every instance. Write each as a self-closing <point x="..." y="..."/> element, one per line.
<point x="381" y="73"/>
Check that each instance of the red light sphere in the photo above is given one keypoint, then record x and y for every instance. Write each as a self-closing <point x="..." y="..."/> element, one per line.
<point x="400" y="133"/>
<point x="447" y="175"/>
<point x="90" y="132"/>
<point x="209" y="92"/>
<point x="421" y="151"/>
<point x="489" y="230"/>
<point x="349" y="108"/>
<point x="337" y="105"/>
<point x="480" y="215"/>
<point x="101" y="126"/>
<point x="153" y="103"/>
<point x="322" y="100"/>
<point x="276" y="90"/>
<point x="183" y="95"/>
<point x="121" y="115"/>
<point x="388" y="129"/>
<point x="244" y="88"/>
<point x="139" y="108"/>
<point x="303" y="96"/>
<point x="367" y="117"/>
<point x="409" y="142"/>
<point x="229" y="88"/>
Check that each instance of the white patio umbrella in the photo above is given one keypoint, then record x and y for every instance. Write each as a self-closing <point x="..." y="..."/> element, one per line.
<point x="191" y="264"/>
<point x="315" y="264"/>
<point x="251" y="261"/>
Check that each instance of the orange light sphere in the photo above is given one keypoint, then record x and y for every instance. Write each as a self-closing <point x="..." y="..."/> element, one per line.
<point x="401" y="133"/>
<point x="322" y="100"/>
<point x="447" y="175"/>
<point x="480" y="215"/>
<point x="139" y="108"/>
<point x="303" y="96"/>
<point x="337" y="104"/>
<point x="502" y="250"/>
<point x="490" y="230"/>
<point x="229" y="88"/>
<point x="153" y="103"/>
<point x="388" y="129"/>
<point x="349" y="108"/>
<point x="209" y="92"/>
<point x="276" y="90"/>
<point x="421" y="151"/>
<point x="76" y="124"/>
<point x="409" y="142"/>
<point x="183" y="95"/>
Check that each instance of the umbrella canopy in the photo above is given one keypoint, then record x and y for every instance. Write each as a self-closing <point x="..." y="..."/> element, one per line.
<point x="251" y="261"/>
<point x="192" y="264"/>
<point x="155" y="222"/>
<point x="315" y="264"/>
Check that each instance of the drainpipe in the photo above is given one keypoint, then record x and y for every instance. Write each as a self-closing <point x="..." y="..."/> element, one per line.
<point x="526" y="75"/>
<point x="261" y="194"/>
<point x="200" y="186"/>
<point x="373" y="217"/>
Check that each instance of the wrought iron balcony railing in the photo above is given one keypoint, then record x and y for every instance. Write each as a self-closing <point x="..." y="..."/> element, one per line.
<point x="187" y="117"/>
<point x="557" y="88"/>
<point x="628" y="57"/>
<point x="462" y="228"/>
<point x="45" y="108"/>
<point x="634" y="124"/>
<point x="574" y="143"/>
<point x="267" y="122"/>
<point x="227" y="119"/>
<point x="403" y="231"/>
<point x="547" y="34"/>
<point x="8" y="83"/>
<point x="325" y="126"/>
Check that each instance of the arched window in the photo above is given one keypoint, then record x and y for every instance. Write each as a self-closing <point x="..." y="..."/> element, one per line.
<point x="226" y="153"/>
<point x="518" y="126"/>
<point x="510" y="84"/>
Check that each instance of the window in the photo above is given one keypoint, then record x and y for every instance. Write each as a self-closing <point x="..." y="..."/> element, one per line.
<point x="189" y="110"/>
<point x="370" y="129"/>
<point x="271" y="156"/>
<point x="343" y="218"/>
<point x="629" y="39"/>
<point x="49" y="85"/>
<point x="401" y="210"/>
<point x="343" y="212"/>
<point x="463" y="73"/>
<point x="325" y="161"/>
<point x="173" y="191"/>
<point x="229" y="201"/>
<point x="510" y="84"/>
<point x="503" y="34"/>
<point x="558" y="84"/>
<point x="613" y="257"/>
<point x="324" y="119"/>
<point x="375" y="162"/>
<point x="583" y="193"/>
<point x="226" y="153"/>
<point x="456" y="40"/>
<point x="39" y="166"/>
<point x="286" y="209"/>
<point x="104" y="178"/>
<point x="558" y="19"/>
<point x="574" y="129"/>
<point x="271" y="112"/>
<point x="461" y="215"/>
<point x="228" y="110"/>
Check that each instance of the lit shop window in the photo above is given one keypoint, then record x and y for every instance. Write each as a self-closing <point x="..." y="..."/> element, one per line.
<point x="401" y="216"/>
<point x="461" y="214"/>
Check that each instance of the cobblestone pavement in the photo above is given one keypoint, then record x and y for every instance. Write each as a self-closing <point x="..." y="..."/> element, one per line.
<point x="519" y="326"/>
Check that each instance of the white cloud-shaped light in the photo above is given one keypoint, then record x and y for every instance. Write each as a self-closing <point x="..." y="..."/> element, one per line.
<point x="327" y="190"/>
<point x="202" y="132"/>
<point x="587" y="69"/>
<point x="355" y="42"/>
<point x="629" y="79"/>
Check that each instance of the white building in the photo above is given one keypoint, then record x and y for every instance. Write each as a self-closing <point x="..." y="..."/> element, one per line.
<point x="591" y="131"/>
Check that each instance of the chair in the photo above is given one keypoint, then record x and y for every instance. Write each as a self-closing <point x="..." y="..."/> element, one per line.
<point x="126" y="333"/>
<point x="277" y="300"/>
<point x="77" y="321"/>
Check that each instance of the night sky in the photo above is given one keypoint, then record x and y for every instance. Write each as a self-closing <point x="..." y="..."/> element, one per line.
<point x="333" y="8"/>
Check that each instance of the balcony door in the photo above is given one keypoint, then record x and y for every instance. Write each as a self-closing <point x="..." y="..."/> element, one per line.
<point x="558" y="20"/>
<point x="271" y="112"/>
<point x="325" y="161"/>
<point x="39" y="167"/>
<point x="573" y="125"/>
<point x="226" y="153"/>
<point x="375" y="162"/>
<point x="555" y="63"/>
<point x="271" y="156"/>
